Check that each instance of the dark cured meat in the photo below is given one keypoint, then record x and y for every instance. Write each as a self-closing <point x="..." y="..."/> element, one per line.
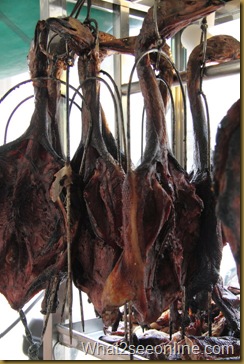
<point x="203" y="271"/>
<point x="165" y="73"/>
<point x="172" y="16"/>
<point x="149" y="194"/>
<point x="229" y="305"/>
<point x="54" y="95"/>
<point x="32" y="230"/>
<point x="149" y="271"/>
<point x="96" y="189"/>
<point x="77" y="35"/>
<point x="220" y="48"/>
<point x="152" y="186"/>
<point x="80" y="40"/>
<point x="99" y="243"/>
<point x="227" y="165"/>
<point x="210" y="348"/>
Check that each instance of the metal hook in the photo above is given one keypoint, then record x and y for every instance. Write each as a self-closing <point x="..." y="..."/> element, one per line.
<point x="122" y="122"/>
<point x="97" y="78"/>
<point x="160" y="41"/>
<point x="203" y="41"/>
<point x="163" y="54"/>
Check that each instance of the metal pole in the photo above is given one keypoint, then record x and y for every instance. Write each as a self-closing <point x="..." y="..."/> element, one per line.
<point x="210" y="73"/>
<point x="179" y="129"/>
<point x="121" y="30"/>
<point x="52" y="8"/>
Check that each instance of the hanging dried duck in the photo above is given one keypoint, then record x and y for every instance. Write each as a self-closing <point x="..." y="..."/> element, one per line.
<point x="203" y="271"/>
<point x="32" y="233"/>
<point x="98" y="243"/>
<point x="227" y="165"/>
<point x="38" y="145"/>
<point x="148" y="272"/>
<point x="153" y="192"/>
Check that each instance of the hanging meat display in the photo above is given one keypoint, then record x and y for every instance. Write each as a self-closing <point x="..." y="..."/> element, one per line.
<point x="93" y="215"/>
<point x="227" y="178"/>
<point x="33" y="233"/>
<point x="208" y="251"/>
<point x="149" y="270"/>
<point x="140" y="236"/>
<point x="101" y="181"/>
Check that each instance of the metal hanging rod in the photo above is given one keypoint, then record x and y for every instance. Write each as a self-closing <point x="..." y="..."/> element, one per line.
<point x="211" y="72"/>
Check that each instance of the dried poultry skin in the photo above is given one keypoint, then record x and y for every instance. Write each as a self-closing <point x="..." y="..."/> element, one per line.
<point x="101" y="161"/>
<point x="172" y="16"/>
<point x="98" y="244"/>
<point x="159" y="181"/>
<point x="227" y="178"/>
<point x="205" y="262"/>
<point x="142" y="197"/>
<point x="228" y="347"/>
<point x="229" y="305"/>
<point x="96" y="187"/>
<point x="220" y="49"/>
<point x="32" y="231"/>
<point x="149" y="271"/>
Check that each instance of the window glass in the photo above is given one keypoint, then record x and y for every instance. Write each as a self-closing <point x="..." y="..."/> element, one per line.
<point x="221" y="94"/>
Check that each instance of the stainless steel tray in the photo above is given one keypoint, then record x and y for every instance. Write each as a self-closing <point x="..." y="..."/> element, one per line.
<point x="89" y="343"/>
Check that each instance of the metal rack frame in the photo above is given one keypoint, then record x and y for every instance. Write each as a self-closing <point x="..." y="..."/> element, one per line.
<point x="90" y="343"/>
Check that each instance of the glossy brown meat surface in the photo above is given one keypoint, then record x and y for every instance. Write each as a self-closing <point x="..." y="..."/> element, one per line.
<point x="205" y="263"/>
<point x="220" y="49"/>
<point x="142" y="200"/>
<point x="149" y="271"/>
<point x="32" y="231"/>
<point x="229" y="305"/>
<point x="135" y="229"/>
<point x="172" y="16"/>
<point x="227" y="174"/>
<point x="98" y="243"/>
<point x="206" y="348"/>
